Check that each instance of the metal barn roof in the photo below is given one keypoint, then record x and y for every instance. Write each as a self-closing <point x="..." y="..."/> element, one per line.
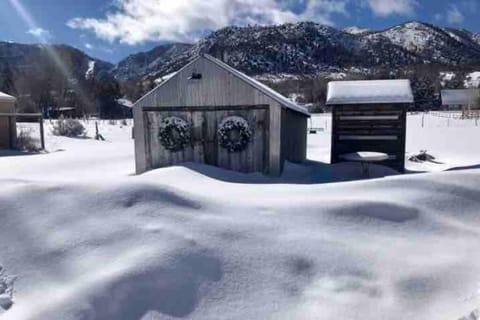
<point x="369" y="92"/>
<point x="459" y="96"/>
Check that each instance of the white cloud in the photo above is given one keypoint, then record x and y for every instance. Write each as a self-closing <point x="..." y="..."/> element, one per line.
<point x="40" y="33"/>
<point x="137" y="21"/>
<point x="454" y="15"/>
<point x="384" y="8"/>
<point x="89" y="46"/>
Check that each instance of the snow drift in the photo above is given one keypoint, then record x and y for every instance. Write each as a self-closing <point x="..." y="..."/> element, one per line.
<point x="175" y="243"/>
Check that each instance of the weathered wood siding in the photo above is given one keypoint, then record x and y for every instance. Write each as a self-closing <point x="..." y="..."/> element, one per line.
<point x="216" y="88"/>
<point x="7" y="126"/>
<point x="376" y="127"/>
<point x="204" y="146"/>
<point x="294" y="136"/>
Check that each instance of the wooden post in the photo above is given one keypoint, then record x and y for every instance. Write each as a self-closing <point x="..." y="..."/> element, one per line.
<point x="12" y="132"/>
<point x="42" y="135"/>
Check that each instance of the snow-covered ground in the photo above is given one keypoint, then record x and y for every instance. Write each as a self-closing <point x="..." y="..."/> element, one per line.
<point x="451" y="140"/>
<point x="81" y="237"/>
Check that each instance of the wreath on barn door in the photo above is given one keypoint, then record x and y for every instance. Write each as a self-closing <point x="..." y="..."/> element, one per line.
<point x="174" y="133"/>
<point x="234" y="134"/>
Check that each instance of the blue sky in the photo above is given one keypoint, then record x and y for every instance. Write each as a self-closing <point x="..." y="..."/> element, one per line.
<point x="112" y="29"/>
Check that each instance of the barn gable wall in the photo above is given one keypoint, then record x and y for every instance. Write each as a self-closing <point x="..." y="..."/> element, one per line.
<point x="216" y="88"/>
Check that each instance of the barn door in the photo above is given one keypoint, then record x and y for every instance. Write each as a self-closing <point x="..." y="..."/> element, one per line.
<point x="253" y="158"/>
<point x="204" y="145"/>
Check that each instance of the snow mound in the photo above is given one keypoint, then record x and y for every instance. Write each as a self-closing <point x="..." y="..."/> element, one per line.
<point x="175" y="243"/>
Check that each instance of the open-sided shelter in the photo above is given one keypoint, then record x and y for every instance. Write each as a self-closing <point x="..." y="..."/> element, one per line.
<point x="211" y="113"/>
<point x="370" y="115"/>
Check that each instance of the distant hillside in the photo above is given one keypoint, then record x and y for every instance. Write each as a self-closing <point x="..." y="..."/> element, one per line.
<point x="63" y="76"/>
<point x="309" y="48"/>
<point x="38" y="59"/>
<point x="48" y="77"/>
<point x="143" y="63"/>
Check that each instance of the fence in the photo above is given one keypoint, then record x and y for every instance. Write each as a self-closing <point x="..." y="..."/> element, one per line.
<point x="14" y="119"/>
<point x="457" y="115"/>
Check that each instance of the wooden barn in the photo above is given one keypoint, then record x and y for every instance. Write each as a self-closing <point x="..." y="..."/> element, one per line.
<point x="209" y="112"/>
<point x="8" y="130"/>
<point x="370" y="116"/>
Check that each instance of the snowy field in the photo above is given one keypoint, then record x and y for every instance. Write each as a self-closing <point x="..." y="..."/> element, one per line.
<point x="81" y="237"/>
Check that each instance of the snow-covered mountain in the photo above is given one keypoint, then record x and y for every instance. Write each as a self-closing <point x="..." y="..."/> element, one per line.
<point x="143" y="63"/>
<point x="310" y="48"/>
<point x="434" y="44"/>
<point x="39" y="60"/>
<point x="356" y="30"/>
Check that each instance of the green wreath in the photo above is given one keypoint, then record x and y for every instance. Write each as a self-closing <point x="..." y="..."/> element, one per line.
<point x="174" y="134"/>
<point x="234" y="134"/>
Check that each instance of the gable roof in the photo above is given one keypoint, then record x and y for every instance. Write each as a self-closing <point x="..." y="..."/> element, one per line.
<point x="459" y="96"/>
<point x="259" y="86"/>
<point x="6" y="98"/>
<point x="369" y="92"/>
<point x="283" y="101"/>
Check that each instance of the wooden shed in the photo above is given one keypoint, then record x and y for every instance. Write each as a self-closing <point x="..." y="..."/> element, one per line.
<point x="209" y="112"/>
<point x="370" y="116"/>
<point x="8" y="130"/>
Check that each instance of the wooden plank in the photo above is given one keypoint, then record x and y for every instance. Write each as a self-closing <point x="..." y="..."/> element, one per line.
<point x="373" y="117"/>
<point x="21" y="115"/>
<point x="202" y="108"/>
<point x="275" y="134"/>
<point x="42" y="134"/>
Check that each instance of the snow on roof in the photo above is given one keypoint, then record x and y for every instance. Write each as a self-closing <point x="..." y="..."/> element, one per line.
<point x="259" y="86"/>
<point x="369" y="91"/>
<point x="459" y="96"/>
<point x="164" y="78"/>
<point x="125" y="102"/>
<point x="6" y="98"/>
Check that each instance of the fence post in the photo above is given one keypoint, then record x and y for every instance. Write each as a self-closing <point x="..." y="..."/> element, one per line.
<point x="42" y="135"/>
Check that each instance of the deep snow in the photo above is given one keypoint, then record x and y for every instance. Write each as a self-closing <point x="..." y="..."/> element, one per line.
<point x="83" y="238"/>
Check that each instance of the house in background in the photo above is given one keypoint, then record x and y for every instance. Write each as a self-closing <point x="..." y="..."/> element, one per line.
<point x="370" y="116"/>
<point x="209" y="112"/>
<point x="460" y="99"/>
<point x="8" y="128"/>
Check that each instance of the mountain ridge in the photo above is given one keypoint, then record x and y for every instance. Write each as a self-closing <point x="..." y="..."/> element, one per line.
<point x="310" y="48"/>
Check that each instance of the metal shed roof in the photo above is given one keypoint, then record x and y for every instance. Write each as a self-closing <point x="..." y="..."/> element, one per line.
<point x="459" y="96"/>
<point x="369" y="92"/>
